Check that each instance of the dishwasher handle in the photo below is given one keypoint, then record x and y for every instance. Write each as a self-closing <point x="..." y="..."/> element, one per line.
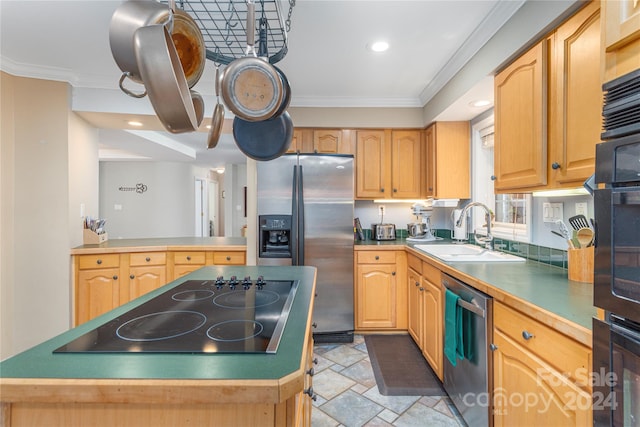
<point x="470" y="306"/>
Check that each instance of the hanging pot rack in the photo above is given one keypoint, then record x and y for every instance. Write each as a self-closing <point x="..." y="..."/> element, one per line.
<point x="223" y="26"/>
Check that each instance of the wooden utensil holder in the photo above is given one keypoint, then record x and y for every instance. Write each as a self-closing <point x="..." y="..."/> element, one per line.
<point x="581" y="264"/>
<point x="90" y="237"/>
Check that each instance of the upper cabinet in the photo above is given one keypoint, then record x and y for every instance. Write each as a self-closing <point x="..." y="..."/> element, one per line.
<point x="388" y="164"/>
<point x="322" y="141"/>
<point x="548" y="106"/>
<point x="620" y="37"/>
<point x="447" y="160"/>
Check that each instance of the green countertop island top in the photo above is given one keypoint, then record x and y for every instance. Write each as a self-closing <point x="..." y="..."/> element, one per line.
<point x="540" y="290"/>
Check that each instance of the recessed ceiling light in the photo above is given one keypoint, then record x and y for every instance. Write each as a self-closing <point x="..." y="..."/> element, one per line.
<point x="480" y="103"/>
<point x="134" y="123"/>
<point x="379" y="46"/>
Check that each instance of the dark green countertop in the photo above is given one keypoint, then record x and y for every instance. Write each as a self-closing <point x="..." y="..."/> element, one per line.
<point x="40" y="362"/>
<point x="544" y="286"/>
<point x="163" y="243"/>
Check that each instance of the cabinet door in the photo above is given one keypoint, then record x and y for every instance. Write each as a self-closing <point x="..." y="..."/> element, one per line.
<point x="529" y="392"/>
<point x="146" y="279"/>
<point x="406" y="164"/>
<point x="432" y="346"/>
<point x="620" y="37"/>
<point x="98" y="292"/>
<point x="327" y="141"/>
<point x="376" y="296"/>
<point x="373" y="164"/>
<point x="415" y="321"/>
<point x="429" y="171"/>
<point x="576" y="99"/>
<point x="520" y="150"/>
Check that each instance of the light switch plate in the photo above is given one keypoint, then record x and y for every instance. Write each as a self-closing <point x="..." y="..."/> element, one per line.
<point x="552" y="212"/>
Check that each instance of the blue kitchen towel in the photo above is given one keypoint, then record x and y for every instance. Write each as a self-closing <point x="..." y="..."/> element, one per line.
<point x="453" y="333"/>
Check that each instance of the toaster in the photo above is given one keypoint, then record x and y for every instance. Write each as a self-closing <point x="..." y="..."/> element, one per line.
<point x="383" y="231"/>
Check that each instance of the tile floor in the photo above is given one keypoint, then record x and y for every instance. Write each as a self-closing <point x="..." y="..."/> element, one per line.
<point x="347" y="394"/>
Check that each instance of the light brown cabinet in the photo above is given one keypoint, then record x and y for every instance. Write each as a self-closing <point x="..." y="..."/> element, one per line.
<point x="548" y="104"/>
<point x="425" y="313"/>
<point x="620" y="38"/>
<point x="388" y="164"/>
<point x="380" y="301"/>
<point x="447" y="159"/>
<point x="185" y="262"/>
<point x="542" y="367"/>
<point x="322" y="141"/>
<point x="147" y="272"/>
<point x="97" y="285"/>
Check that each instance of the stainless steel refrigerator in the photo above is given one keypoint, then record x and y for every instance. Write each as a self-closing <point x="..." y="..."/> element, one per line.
<point x="305" y="217"/>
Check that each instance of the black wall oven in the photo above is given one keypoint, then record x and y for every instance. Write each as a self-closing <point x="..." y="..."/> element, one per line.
<point x="616" y="340"/>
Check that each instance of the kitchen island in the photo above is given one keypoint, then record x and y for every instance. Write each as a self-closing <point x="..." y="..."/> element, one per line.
<point x="38" y="387"/>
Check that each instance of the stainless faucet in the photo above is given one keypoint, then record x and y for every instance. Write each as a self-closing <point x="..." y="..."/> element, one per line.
<point x="488" y="240"/>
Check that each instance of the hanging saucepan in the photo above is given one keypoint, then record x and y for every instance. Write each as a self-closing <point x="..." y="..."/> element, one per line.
<point x="251" y="87"/>
<point x="264" y="140"/>
<point x="189" y="44"/>
<point x="218" y="116"/>
<point x="178" y="108"/>
<point x="286" y="93"/>
<point x="126" y="20"/>
<point x="263" y="52"/>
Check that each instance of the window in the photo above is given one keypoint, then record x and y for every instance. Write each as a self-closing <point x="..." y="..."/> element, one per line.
<point x="512" y="212"/>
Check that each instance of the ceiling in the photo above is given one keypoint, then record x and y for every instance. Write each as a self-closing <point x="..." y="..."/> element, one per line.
<point x="327" y="64"/>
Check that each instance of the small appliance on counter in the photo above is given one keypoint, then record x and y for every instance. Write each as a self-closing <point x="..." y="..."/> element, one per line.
<point x="383" y="231"/>
<point x="420" y="231"/>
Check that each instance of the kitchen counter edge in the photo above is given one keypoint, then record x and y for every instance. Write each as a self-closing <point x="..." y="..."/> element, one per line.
<point x="163" y="244"/>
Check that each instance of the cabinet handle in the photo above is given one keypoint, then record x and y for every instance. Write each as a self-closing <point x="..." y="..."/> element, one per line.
<point x="132" y="276"/>
<point x="493" y="347"/>
<point x="311" y="372"/>
<point x="188" y="258"/>
<point x="228" y="258"/>
<point x="377" y="257"/>
<point x="526" y="335"/>
<point x="555" y="165"/>
<point x="493" y="177"/>
<point x="314" y="324"/>
<point x="393" y="273"/>
<point x="115" y="277"/>
<point x="147" y="259"/>
<point x="98" y="261"/>
<point x="315" y="361"/>
<point x="311" y="394"/>
<point x="395" y="190"/>
<point x="417" y="283"/>
<point x="430" y="188"/>
<point x="382" y="190"/>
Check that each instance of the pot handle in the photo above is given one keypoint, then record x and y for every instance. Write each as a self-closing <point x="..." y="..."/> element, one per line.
<point x="127" y="91"/>
<point x="251" y="28"/>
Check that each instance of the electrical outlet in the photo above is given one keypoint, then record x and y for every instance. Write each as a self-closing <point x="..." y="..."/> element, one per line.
<point x="381" y="210"/>
<point x="581" y="209"/>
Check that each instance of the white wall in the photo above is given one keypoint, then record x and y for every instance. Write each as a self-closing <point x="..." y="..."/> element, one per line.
<point x="165" y="209"/>
<point x="235" y="180"/>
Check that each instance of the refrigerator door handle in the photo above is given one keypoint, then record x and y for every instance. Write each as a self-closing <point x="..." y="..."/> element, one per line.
<point x="300" y="219"/>
<point x="294" y="217"/>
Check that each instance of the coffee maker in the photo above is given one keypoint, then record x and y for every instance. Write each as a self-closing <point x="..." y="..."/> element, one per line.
<point x="275" y="236"/>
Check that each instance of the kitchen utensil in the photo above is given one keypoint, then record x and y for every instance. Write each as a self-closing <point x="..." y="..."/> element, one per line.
<point x="164" y="79"/>
<point x="585" y="237"/>
<point x="218" y="116"/>
<point x="264" y="140"/>
<point x="125" y="21"/>
<point x="189" y="44"/>
<point x="383" y="231"/>
<point x="251" y="87"/>
<point x="564" y="230"/>
<point x="578" y="222"/>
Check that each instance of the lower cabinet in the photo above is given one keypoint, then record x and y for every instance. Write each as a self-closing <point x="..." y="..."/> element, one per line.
<point x="303" y="401"/>
<point x="537" y="373"/>
<point x="425" y="313"/>
<point x="147" y="272"/>
<point x="97" y="285"/>
<point x="380" y="301"/>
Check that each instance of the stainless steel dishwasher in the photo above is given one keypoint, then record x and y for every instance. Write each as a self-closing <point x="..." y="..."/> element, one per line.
<point x="469" y="383"/>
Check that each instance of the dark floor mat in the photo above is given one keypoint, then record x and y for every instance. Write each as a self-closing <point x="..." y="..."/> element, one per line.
<point x="399" y="367"/>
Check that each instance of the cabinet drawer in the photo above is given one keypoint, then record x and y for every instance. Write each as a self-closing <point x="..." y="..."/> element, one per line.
<point x="86" y="262"/>
<point x="566" y="355"/>
<point x="187" y="258"/>
<point x="228" y="258"/>
<point x="431" y="273"/>
<point x="415" y="263"/>
<point x="381" y="257"/>
<point x="147" y="258"/>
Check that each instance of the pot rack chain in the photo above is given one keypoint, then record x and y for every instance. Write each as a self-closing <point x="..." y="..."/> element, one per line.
<point x="223" y="26"/>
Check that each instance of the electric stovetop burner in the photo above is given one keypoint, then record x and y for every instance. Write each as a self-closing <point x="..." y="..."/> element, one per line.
<point x="198" y="316"/>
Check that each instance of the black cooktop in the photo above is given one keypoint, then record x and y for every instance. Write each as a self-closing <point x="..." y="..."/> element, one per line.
<point x="198" y="316"/>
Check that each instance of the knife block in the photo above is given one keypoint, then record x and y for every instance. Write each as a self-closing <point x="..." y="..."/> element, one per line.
<point x="581" y="264"/>
<point x="90" y="237"/>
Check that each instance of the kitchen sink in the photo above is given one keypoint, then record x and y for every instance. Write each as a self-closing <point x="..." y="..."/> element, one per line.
<point x="467" y="253"/>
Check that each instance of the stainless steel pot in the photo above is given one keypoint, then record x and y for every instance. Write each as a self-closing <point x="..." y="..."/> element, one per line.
<point x="416" y="229"/>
